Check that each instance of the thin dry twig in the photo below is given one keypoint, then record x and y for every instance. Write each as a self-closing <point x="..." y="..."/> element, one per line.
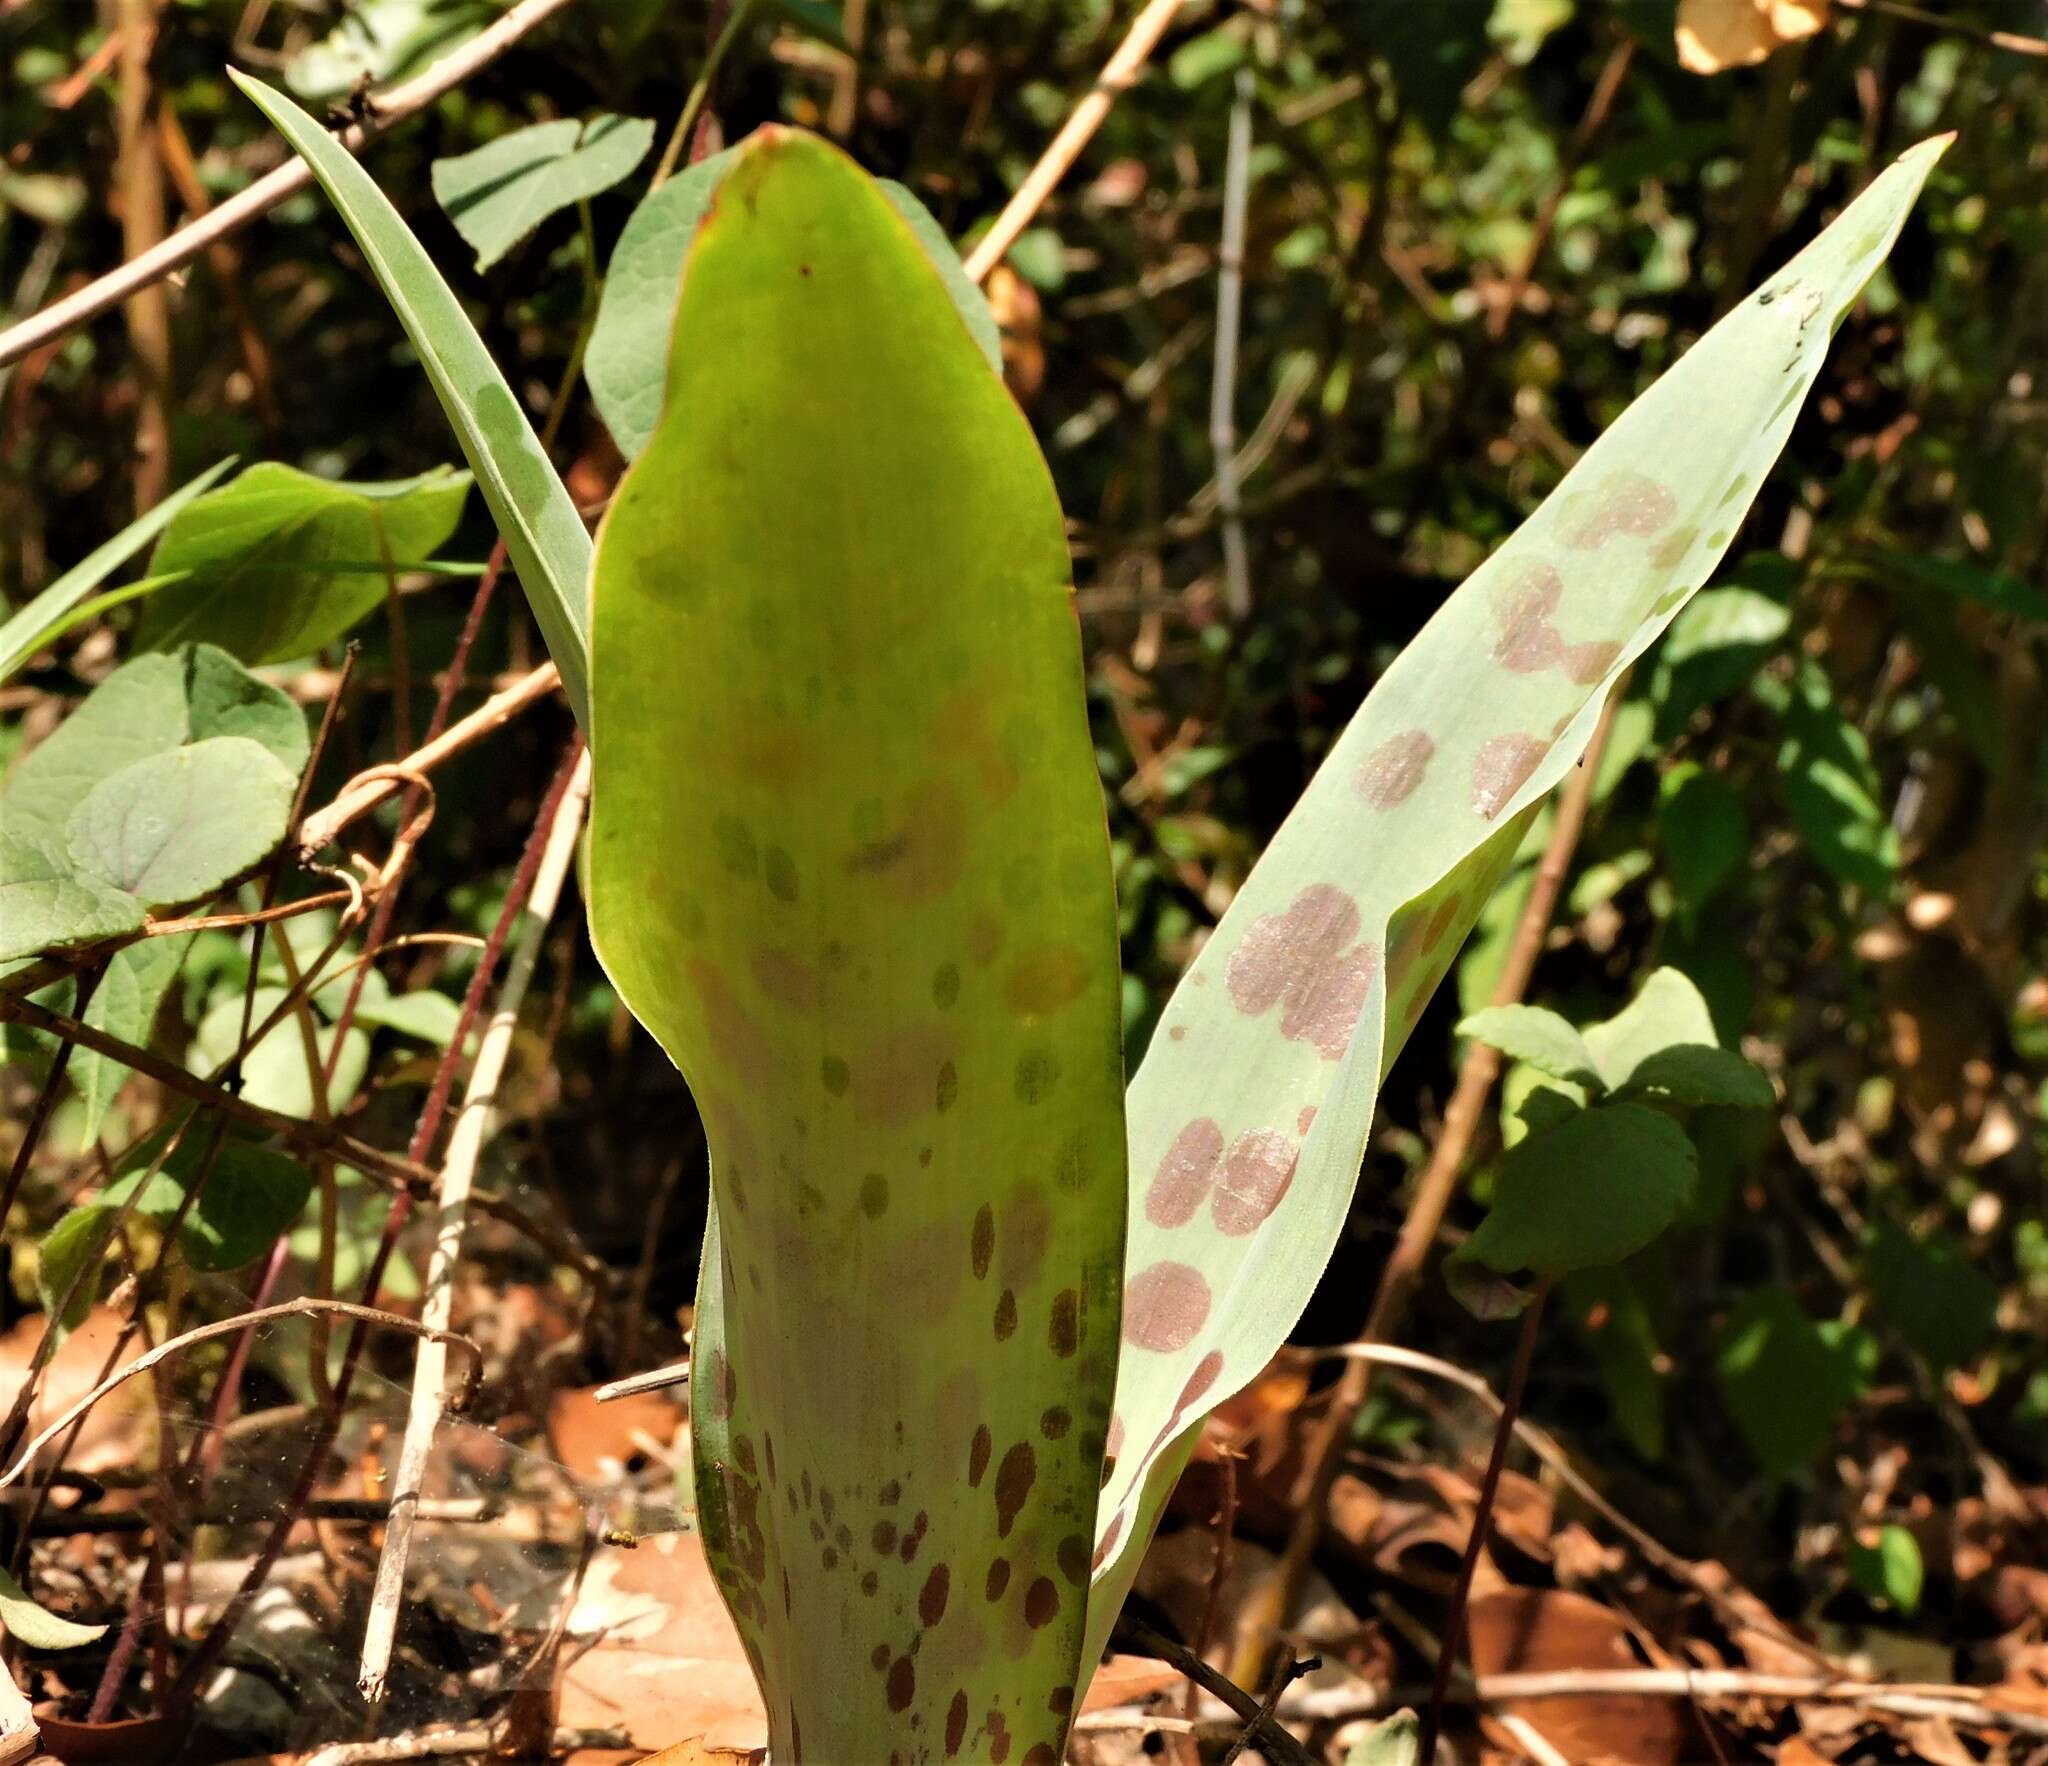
<point x="1057" y="160"/>
<point x="451" y="1201"/>
<point x="368" y="789"/>
<point x="1265" y="1727"/>
<point x="267" y="192"/>
<point x="226" y="1327"/>
<point x="1237" y="582"/>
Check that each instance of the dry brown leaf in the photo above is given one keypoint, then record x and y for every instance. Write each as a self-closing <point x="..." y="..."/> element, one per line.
<point x="665" y="1662"/>
<point x="111" y="1431"/>
<point x="1536" y="1631"/>
<point x="1714" y="35"/>
<point x="598" y="1441"/>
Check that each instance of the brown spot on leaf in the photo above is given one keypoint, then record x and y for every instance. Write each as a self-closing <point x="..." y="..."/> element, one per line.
<point x="1006" y="1315"/>
<point x="1523" y="608"/>
<point x="1063" y="1331"/>
<point x="884" y="1537"/>
<point x="1589" y="662"/>
<point x="983" y="1245"/>
<point x="874" y="1195"/>
<point x="1054" y="1422"/>
<point x="978" y="1455"/>
<point x="956" y="1723"/>
<point x="1014" y="1478"/>
<point x="998" y="1579"/>
<point x="931" y="1599"/>
<point x="1044" y="979"/>
<point x="1041" y="1603"/>
<point x="1073" y="1559"/>
<point x="902" y="1683"/>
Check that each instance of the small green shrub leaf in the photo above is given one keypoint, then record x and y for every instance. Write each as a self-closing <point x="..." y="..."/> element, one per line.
<point x="1540" y="1038"/>
<point x="543" y="533"/>
<point x="1704" y="831"/>
<point x="1786" y="1378"/>
<point x="279" y="562"/>
<point x="1891" y="1570"/>
<point x="36" y="1626"/>
<point x="500" y="193"/>
<point x="1667" y="1012"/>
<point x="1931" y="1294"/>
<point x="70" y="1252"/>
<point x="251" y="1196"/>
<point x="124" y="1005"/>
<point x="1589" y="1191"/>
<point x="848" y="864"/>
<point x="1697" y="1074"/>
<point x="274" y="1073"/>
<point x="45" y="904"/>
<point x="1716" y="645"/>
<point x="178" y="825"/>
<point x="1832" y="789"/>
<point x="1393" y="1741"/>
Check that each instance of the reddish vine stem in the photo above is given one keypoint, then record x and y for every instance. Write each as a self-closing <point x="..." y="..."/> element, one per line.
<point x="1482" y="1523"/>
<point x="199" y="1666"/>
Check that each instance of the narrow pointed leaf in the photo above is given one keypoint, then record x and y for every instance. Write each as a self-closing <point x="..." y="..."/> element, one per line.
<point x="1263" y="1074"/>
<point x="542" y="531"/>
<point x="48" y="615"/>
<point x="849" y="865"/>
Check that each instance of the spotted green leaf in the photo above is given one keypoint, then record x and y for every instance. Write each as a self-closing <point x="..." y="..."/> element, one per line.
<point x="1249" y="1116"/>
<point x="629" y="343"/>
<point x="848" y="864"/>
<point x="542" y="531"/>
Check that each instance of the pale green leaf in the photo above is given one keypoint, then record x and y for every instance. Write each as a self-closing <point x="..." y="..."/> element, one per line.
<point x="431" y="1017"/>
<point x="1668" y="1010"/>
<point x="502" y="191"/>
<point x="382" y="41"/>
<point x="1286" y="1019"/>
<point x="1891" y="1570"/>
<point x="542" y="531"/>
<point x="176" y="826"/>
<point x="251" y="1196"/>
<point x="68" y="1259"/>
<point x="1393" y="1741"/>
<point x="276" y="1073"/>
<point x="36" y="1626"/>
<point x="848" y="864"/>
<point x="1593" y="1189"/>
<point x="280" y="562"/>
<point x="1541" y="1038"/>
<point x="44" y="618"/>
<point x="44" y="904"/>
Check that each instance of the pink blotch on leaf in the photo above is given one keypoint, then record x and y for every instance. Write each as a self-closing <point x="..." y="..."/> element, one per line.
<point x="1305" y="961"/>
<point x="1528" y="641"/>
<point x="1627" y="504"/>
<point x="1254" y="1176"/>
<point x="1502" y="766"/>
<point x="1164" y="1306"/>
<point x="1589" y="662"/>
<point x="1389" y="774"/>
<point x="1185" y="1174"/>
